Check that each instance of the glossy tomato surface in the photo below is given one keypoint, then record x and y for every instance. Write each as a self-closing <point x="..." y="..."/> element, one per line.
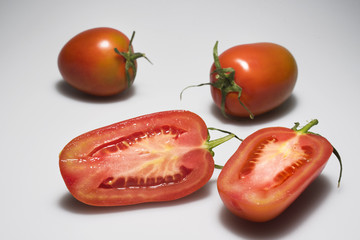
<point x="156" y="157"/>
<point x="270" y="169"/>
<point x="89" y="63"/>
<point x="266" y="72"/>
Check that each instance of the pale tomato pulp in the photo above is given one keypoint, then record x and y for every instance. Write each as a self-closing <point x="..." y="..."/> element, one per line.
<point x="157" y="157"/>
<point x="271" y="168"/>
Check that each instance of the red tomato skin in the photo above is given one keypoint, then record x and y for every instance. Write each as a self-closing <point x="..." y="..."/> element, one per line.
<point x="257" y="202"/>
<point x="83" y="172"/>
<point x="266" y="72"/>
<point x="89" y="63"/>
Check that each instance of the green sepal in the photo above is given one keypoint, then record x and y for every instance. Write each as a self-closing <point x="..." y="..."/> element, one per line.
<point x="210" y="144"/>
<point x="225" y="83"/>
<point x="130" y="58"/>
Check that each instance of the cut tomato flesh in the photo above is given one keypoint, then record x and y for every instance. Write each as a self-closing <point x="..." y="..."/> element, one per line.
<point x="270" y="169"/>
<point x="156" y="157"/>
<point x="153" y="155"/>
<point x="272" y="162"/>
<point x="148" y="181"/>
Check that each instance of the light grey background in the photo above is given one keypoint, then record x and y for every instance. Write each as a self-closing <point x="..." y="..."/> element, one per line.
<point x="40" y="113"/>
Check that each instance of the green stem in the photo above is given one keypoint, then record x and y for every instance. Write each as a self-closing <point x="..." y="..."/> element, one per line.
<point x="130" y="60"/>
<point x="307" y="127"/>
<point x="218" y="68"/>
<point x="199" y="85"/>
<point x="214" y="143"/>
<point x="336" y="153"/>
<point x="225" y="83"/>
<point x="224" y="131"/>
<point x="218" y="166"/>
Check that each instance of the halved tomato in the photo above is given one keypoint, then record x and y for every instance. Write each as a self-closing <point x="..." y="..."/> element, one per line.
<point x="156" y="157"/>
<point x="270" y="169"/>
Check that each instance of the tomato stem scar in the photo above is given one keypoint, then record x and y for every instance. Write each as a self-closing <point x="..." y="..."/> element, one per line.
<point x="130" y="58"/>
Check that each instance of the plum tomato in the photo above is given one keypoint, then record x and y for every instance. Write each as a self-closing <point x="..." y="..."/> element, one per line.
<point x="152" y="158"/>
<point x="270" y="169"/>
<point x="99" y="61"/>
<point x="252" y="79"/>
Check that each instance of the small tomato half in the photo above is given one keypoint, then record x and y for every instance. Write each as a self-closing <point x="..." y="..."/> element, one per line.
<point x="99" y="61"/>
<point x="157" y="157"/>
<point x="270" y="169"/>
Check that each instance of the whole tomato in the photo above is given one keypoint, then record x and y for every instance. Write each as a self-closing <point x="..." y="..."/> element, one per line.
<point x="252" y="79"/>
<point x="99" y="61"/>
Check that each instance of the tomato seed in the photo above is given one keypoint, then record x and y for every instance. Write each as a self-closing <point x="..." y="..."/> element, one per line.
<point x="307" y="150"/>
<point x="107" y="183"/>
<point x="119" y="183"/>
<point x="123" y="182"/>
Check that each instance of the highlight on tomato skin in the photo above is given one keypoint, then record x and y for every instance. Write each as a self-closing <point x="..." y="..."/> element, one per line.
<point x="152" y="158"/>
<point x="270" y="169"/>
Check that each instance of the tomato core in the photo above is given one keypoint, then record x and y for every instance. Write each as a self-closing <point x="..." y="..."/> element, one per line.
<point x="127" y="141"/>
<point x="157" y="165"/>
<point x="271" y="162"/>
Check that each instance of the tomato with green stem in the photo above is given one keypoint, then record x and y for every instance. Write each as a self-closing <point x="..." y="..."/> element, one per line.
<point x="271" y="168"/>
<point x="251" y="79"/>
<point x="152" y="158"/>
<point x="99" y="61"/>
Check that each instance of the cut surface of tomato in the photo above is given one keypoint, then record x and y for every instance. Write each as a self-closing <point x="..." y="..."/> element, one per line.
<point x="156" y="157"/>
<point x="270" y="169"/>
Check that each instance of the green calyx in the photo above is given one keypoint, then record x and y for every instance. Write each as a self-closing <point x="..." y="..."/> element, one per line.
<point x="130" y="58"/>
<point x="225" y="83"/>
<point x="210" y="144"/>
<point x="305" y="130"/>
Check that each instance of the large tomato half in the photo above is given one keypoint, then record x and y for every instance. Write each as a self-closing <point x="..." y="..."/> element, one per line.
<point x="156" y="157"/>
<point x="90" y="63"/>
<point x="270" y="169"/>
<point x="262" y="74"/>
